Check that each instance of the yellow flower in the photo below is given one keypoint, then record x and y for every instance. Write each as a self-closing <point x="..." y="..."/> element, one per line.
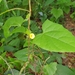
<point x="32" y="36"/>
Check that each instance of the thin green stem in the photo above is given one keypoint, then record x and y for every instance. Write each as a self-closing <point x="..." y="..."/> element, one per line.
<point x="23" y="68"/>
<point x="12" y="10"/>
<point x="30" y="14"/>
<point x="7" y="64"/>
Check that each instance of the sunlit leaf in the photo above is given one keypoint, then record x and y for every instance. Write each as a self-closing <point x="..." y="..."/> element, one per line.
<point x="55" y="38"/>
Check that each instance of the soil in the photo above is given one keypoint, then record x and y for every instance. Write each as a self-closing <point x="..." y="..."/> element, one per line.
<point x="69" y="24"/>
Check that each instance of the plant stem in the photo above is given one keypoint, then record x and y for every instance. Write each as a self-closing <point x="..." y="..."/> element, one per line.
<point x="30" y="14"/>
<point x="12" y="10"/>
<point x="25" y="64"/>
<point x="7" y="64"/>
<point x="23" y="68"/>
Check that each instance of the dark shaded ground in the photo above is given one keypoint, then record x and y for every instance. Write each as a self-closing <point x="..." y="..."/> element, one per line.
<point x="70" y="24"/>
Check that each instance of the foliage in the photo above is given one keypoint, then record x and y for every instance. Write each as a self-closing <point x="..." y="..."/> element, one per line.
<point x="29" y="37"/>
<point x="55" y="38"/>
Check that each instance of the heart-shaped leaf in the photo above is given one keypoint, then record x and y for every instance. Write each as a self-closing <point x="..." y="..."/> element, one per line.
<point x="55" y="38"/>
<point x="57" y="12"/>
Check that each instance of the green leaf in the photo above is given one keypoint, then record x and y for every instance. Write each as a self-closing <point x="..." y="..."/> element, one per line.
<point x="0" y="0"/>
<point x="50" y="69"/>
<point x="34" y="27"/>
<point x="27" y="16"/>
<point x="19" y="29"/>
<point x="57" y="12"/>
<point x="15" y="42"/>
<point x="25" y="2"/>
<point x="73" y="15"/>
<point x="22" y="55"/>
<point x="66" y="9"/>
<point x="73" y="69"/>
<point x="17" y="1"/>
<point x="1" y="23"/>
<point x="15" y="72"/>
<point x="1" y="49"/>
<point x="4" y="5"/>
<point x="9" y="48"/>
<point x="73" y="3"/>
<point x="63" y="70"/>
<point x="67" y="2"/>
<point x="48" y="2"/>
<point x="55" y="38"/>
<point x="13" y="21"/>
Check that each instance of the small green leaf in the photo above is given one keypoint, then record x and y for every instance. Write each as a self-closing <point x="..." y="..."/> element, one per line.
<point x="1" y="23"/>
<point x="17" y="1"/>
<point x="73" y="3"/>
<point x="4" y="5"/>
<point x="13" y="21"/>
<point x="56" y="12"/>
<point x="1" y="49"/>
<point x="27" y="16"/>
<point x="63" y="70"/>
<point x="55" y="38"/>
<point x="50" y="69"/>
<point x="22" y="55"/>
<point x="15" y="42"/>
<point x="48" y="2"/>
<point x="15" y="72"/>
<point x="66" y="9"/>
<point x="19" y="29"/>
<point x="67" y="2"/>
<point x="25" y="2"/>
<point x="73" y="15"/>
<point x="9" y="48"/>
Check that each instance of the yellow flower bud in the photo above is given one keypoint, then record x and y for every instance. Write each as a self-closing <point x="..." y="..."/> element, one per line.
<point x="32" y="36"/>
